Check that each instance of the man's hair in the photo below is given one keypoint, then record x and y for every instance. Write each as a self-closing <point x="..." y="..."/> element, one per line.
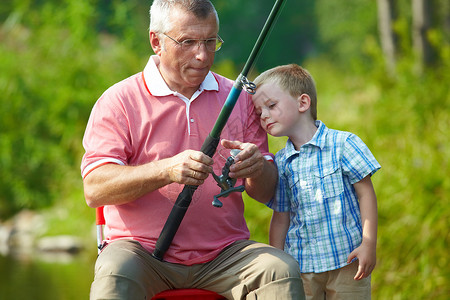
<point x="293" y="79"/>
<point x="161" y="9"/>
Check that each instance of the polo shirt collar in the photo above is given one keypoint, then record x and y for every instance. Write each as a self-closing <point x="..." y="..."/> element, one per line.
<point x="158" y="87"/>
<point x="318" y="140"/>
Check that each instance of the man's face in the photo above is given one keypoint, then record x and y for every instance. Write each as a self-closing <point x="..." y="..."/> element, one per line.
<point x="182" y="70"/>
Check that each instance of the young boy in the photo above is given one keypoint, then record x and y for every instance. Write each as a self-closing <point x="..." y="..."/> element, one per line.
<point x="325" y="207"/>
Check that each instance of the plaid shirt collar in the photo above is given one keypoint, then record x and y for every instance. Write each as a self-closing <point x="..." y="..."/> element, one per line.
<point x="318" y="140"/>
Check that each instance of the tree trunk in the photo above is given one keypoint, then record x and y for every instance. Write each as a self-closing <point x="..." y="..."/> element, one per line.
<point x="387" y="36"/>
<point x="421" y="24"/>
<point x="446" y="19"/>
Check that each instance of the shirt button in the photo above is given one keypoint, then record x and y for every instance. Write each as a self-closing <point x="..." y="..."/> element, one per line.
<point x="192" y="120"/>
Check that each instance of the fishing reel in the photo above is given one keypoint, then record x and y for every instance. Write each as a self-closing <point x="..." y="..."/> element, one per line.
<point x="225" y="182"/>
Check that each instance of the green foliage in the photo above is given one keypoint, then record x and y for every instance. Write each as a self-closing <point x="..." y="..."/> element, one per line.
<point x="57" y="58"/>
<point x="53" y="69"/>
<point x="405" y="122"/>
<point x="411" y="124"/>
<point x="292" y="39"/>
<point x="343" y="28"/>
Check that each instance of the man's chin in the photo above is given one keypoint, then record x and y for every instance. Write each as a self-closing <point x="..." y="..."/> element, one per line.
<point x="196" y="79"/>
<point x="196" y="73"/>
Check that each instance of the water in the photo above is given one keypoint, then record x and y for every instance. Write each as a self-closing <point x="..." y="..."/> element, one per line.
<point x="46" y="277"/>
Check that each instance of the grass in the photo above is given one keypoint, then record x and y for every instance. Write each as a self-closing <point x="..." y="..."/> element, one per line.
<point x="407" y="130"/>
<point x="406" y="125"/>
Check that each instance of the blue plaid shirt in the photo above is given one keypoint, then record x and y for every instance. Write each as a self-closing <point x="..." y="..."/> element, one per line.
<point x="316" y="187"/>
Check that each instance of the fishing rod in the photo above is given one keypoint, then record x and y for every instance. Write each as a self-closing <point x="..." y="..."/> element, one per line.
<point x="211" y="142"/>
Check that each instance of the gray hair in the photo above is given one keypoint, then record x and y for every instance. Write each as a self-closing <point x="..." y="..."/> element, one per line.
<point x="161" y="9"/>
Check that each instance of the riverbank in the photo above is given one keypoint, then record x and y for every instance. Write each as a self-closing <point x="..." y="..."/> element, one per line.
<point x="28" y="234"/>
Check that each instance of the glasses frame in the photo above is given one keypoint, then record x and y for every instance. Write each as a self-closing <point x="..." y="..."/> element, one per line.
<point x="185" y="45"/>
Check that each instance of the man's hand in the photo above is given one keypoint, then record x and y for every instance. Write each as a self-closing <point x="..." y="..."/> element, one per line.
<point x="259" y="174"/>
<point x="249" y="163"/>
<point x="190" y="167"/>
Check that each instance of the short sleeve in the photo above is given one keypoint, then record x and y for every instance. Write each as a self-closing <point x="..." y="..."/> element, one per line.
<point x="106" y="139"/>
<point x="280" y="202"/>
<point x="358" y="161"/>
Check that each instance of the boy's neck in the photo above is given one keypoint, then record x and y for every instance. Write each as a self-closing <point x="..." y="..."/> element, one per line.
<point x="303" y="134"/>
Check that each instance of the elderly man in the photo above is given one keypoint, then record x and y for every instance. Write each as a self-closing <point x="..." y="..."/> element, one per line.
<point x="142" y="145"/>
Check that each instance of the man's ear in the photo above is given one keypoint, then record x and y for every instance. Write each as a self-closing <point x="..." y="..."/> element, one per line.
<point x="155" y="42"/>
<point x="304" y="102"/>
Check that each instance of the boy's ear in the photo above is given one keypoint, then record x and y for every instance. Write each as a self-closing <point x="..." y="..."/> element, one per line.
<point x="304" y="102"/>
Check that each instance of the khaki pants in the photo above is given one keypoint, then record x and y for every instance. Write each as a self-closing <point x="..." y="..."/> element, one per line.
<point x="336" y="285"/>
<point x="244" y="270"/>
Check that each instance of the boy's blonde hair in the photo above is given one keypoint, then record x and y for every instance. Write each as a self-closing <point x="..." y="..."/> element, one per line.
<point x="293" y="79"/>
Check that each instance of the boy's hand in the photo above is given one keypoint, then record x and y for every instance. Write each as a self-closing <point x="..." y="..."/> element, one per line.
<point x="366" y="258"/>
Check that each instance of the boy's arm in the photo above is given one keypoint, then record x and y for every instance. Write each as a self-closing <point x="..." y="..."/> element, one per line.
<point x="366" y="253"/>
<point x="279" y="226"/>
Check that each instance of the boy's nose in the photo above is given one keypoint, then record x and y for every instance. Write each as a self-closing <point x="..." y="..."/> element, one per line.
<point x="264" y="114"/>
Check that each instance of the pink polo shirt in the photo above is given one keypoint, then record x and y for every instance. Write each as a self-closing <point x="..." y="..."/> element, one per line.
<point x="139" y="120"/>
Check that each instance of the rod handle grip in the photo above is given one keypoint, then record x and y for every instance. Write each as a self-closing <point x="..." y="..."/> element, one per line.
<point x="173" y="221"/>
<point x="99" y="217"/>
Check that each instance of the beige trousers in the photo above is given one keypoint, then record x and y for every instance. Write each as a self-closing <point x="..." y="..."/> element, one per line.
<point x="336" y="285"/>
<point x="243" y="270"/>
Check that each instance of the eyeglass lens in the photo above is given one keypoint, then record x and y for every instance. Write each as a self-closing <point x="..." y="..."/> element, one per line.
<point x="212" y="45"/>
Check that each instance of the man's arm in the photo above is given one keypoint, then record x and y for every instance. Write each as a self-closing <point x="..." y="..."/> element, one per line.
<point x="113" y="184"/>
<point x="260" y="175"/>
<point x="366" y="253"/>
<point x="279" y="225"/>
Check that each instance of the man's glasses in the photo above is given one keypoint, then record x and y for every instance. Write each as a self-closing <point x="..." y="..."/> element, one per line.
<point x="212" y="44"/>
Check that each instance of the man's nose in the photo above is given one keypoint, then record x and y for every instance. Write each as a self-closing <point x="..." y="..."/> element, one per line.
<point x="202" y="52"/>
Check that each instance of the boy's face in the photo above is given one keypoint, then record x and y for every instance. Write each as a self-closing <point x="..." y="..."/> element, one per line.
<point x="277" y="109"/>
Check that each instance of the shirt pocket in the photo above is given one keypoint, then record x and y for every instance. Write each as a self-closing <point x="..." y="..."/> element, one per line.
<point x="329" y="181"/>
<point x="300" y="188"/>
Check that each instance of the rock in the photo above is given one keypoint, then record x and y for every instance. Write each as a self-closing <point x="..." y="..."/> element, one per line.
<point x="27" y="225"/>
<point x="61" y="243"/>
<point x="22" y="238"/>
<point x="5" y="235"/>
